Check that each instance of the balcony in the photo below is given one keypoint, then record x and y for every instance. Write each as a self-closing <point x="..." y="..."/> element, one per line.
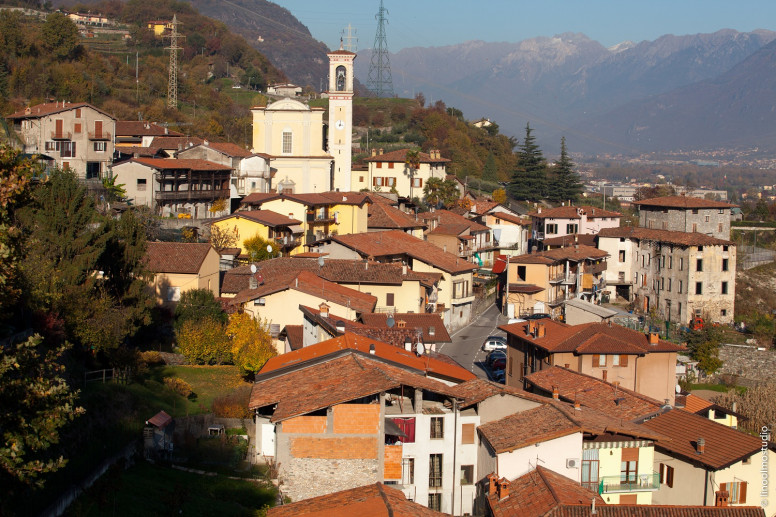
<point x="287" y="241"/>
<point x="101" y="135"/>
<point x="61" y="135"/>
<point x="640" y="483"/>
<point x="199" y="195"/>
<point x="595" y="268"/>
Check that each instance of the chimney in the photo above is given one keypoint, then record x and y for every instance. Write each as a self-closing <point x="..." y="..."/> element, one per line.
<point x="555" y="394"/>
<point x="374" y="152"/>
<point x="372" y="349"/>
<point x="701" y="447"/>
<point x="444" y="248"/>
<point x="432" y="332"/>
<point x="735" y="406"/>
<point x="566" y="366"/>
<point x="340" y="326"/>
<point x="380" y="151"/>
<point x="577" y="405"/>
<point x="592" y="509"/>
<point x="492" y="484"/>
<point x="539" y="210"/>
<point x="324" y="310"/>
<point x="721" y="498"/>
<point x="532" y="327"/>
<point x="404" y="270"/>
<point x="252" y="282"/>
<point x="653" y="337"/>
<point x="540" y="330"/>
<point x="407" y="344"/>
<point x="503" y="488"/>
<point x="401" y="324"/>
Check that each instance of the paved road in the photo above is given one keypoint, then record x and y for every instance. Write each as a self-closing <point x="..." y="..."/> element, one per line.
<point x="466" y="347"/>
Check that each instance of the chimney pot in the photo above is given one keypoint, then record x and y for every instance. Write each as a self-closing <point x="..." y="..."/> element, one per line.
<point x="503" y="488"/>
<point x="721" y="498"/>
<point x="372" y="349"/>
<point x="701" y="446"/>
<point x="555" y="394"/>
<point x="540" y="329"/>
<point x="577" y="405"/>
<point x="653" y="338"/>
<point x="492" y="484"/>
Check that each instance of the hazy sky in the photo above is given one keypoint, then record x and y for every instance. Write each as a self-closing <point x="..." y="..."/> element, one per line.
<point x="429" y="23"/>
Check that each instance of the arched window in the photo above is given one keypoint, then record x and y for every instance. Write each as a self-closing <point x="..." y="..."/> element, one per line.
<point x="287" y="142"/>
<point x="341" y="78"/>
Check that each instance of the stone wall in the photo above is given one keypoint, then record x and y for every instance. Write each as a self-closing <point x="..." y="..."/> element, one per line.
<point x="745" y="365"/>
<point x="311" y="477"/>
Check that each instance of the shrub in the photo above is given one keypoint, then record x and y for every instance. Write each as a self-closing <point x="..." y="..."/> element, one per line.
<point x="234" y="404"/>
<point x="179" y="386"/>
<point x="151" y="358"/>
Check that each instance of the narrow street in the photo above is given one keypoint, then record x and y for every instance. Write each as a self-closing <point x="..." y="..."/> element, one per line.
<point x="466" y="347"/>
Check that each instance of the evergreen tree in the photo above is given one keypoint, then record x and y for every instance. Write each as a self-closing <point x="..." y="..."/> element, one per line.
<point x="529" y="179"/>
<point x="490" y="171"/>
<point x="565" y="184"/>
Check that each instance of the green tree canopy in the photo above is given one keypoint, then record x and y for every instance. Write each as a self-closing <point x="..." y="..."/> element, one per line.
<point x="258" y="248"/>
<point x="565" y="183"/>
<point x="529" y="179"/>
<point x="198" y="304"/>
<point x="704" y="347"/>
<point x="60" y="36"/>
<point x="438" y="192"/>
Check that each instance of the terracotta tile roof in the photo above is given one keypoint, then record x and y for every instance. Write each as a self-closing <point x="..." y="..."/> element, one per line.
<point x="683" y="202"/>
<point x="477" y="390"/>
<point x="376" y="500"/>
<point x="400" y="156"/>
<point x="483" y="207"/>
<point x="141" y="152"/>
<point x="413" y="321"/>
<point x="230" y="149"/>
<point x="311" y="199"/>
<point x="342" y="52"/>
<point x="516" y="219"/>
<point x="175" y="142"/>
<point x="449" y="229"/>
<point x="160" y="420"/>
<point x="584" y="239"/>
<point x="50" y="108"/>
<point x="528" y="427"/>
<point x="266" y="217"/>
<point x="694" y="403"/>
<point x="340" y="271"/>
<point x="312" y="284"/>
<point x="525" y="288"/>
<point x="176" y="257"/>
<point x="168" y="164"/>
<point x="377" y="197"/>
<point x="671" y="237"/>
<point x="395" y="243"/>
<point x="620" y="510"/>
<point x="295" y="336"/>
<point x="318" y="385"/>
<point x="573" y="212"/>
<point x="598" y="423"/>
<point x="383" y="215"/>
<point x="724" y="445"/>
<point x="446" y="217"/>
<point x="541" y="492"/>
<point x="590" y="338"/>
<point x="593" y="393"/>
<point x="142" y="128"/>
<point x="350" y="341"/>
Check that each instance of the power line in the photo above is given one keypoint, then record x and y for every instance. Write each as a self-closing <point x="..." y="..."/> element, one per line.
<point x="380" y="82"/>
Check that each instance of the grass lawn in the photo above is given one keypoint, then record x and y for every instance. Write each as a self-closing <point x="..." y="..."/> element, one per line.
<point x="150" y="490"/>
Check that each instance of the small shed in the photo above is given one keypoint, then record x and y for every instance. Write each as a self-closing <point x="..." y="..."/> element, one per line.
<point x="579" y="311"/>
<point x="158" y="434"/>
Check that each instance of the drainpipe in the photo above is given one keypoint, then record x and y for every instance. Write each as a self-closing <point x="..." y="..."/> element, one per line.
<point x="705" y="486"/>
<point x="455" y="454"/>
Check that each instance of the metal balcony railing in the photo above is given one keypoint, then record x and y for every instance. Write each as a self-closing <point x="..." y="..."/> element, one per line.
<point x="641" y="482"/>
<point x="61" y="135"/>
<point x="99" y="135"/>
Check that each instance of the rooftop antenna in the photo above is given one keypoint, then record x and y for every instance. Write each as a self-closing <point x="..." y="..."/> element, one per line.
<point x="172" y="84"/>
<point x="380" y="82"/>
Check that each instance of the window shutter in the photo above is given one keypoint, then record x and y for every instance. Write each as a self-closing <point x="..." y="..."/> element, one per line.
<point x="389" y="299"/>
<point x="742" y="492"/>
<point x="723" y="487"/>
<point x="630" y="454"/>
<point x="670" y="477"/>
<point x="623" y="360"/>
<point x="662" y="471"/>
<point x="467" y="433"/>
<point x="77" y="128"/>
<point x="596" y="360"/>
<point x="374" y="182"/>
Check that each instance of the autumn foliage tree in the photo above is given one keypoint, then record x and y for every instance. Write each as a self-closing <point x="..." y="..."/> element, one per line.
<point x="204" y="341"/>
<point x="222" y="238"/>
<point x="251" y="342"/>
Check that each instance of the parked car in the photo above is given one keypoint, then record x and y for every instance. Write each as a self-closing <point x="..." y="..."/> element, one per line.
<point x="499" y="364"/>
<point x="494" y="343"/>
<point x="499" y="376"/>
<point x="537" y="316"/>
<point x="495" y="354"/>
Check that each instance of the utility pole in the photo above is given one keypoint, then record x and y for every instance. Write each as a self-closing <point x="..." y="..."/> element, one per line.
<point x="172" y="83"/>
<point x="380" y="82"/>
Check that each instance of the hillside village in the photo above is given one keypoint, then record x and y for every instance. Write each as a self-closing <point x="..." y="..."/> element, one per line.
<point x="358" y="279"/>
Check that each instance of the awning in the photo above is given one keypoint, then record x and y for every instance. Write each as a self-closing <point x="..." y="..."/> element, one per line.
<point x="500" y="264"/>
<point x="297" y="228"/>
<point x="392" y="429"/>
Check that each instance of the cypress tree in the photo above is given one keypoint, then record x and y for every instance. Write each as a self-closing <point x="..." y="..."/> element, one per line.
<point x="529" y="179"/>
<point x="565" y="184"/>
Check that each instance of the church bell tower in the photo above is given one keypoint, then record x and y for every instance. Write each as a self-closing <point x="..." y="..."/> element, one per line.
<point x="341" y="116"/>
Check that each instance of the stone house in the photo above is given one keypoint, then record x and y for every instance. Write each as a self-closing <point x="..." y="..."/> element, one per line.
<point x="680" y="274"/>
<point x="73" y="135"/>
<point x="390" y="170"/>
<point x="641" y="362"/>
<point x="686" y="214"/>
<point x="178" y="267"/>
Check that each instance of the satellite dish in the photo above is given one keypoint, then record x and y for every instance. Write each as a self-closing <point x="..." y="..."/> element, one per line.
<point x="390" y="322"/>
<point x="420" y="348"/>
<point x="269" y="248"/>
<point x="253" y="268"/>
<point x="678" y="389"/>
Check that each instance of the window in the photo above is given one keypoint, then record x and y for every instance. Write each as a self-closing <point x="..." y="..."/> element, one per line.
<point x="699" y="265"/>
<point x="437" y="427"/>
<point x="724" y="288"/>
<point x="389" y="299"/>
<point x="435" y="471"/>
<point x="719" y="228"/>
<point x="667" y="475"/>
<point x="599" y="360"/>
<point x="664" y="225"/>
<point x="92" y="170"/>
<point x="173" y="294"/>
<point x="52" y="146"/>
<point x="724" y="264"/>
<point x="707" y="219"/>
<point x="379" y="165"/>
<point x="141" y="184"/>
<point x="509" y="364"/>
<point x="698" y="287"/>
<point x="377" y="181"/>
<point x="571" y="228"/>
<point x="435" y="502"/>
<point x="287" y="142"/>
<point x="681" y="263"/>
<point x="78" y="113"/>
<point x="622" y="255"/>
<point x="521" y="273"/>
<point x="628" y="470"/>
<point x="551" y="229"/>
<point x="417" y="182"/>
<point x="407" y="426"/>
<point x="651" y="223"/>
<point x="408" y="471"/>
<point x="390" y="182"/>
<point x="694" y="227"/>
<point x="590" y="469"/>
<point x="724" y="248"/>
<point x="723" y="312"/>
<point x="360" y="179"/>
<point x="669" y="285"/>
<point x="615" y="360"/>
<point x="681" y="285"/>
<point x="390" y="165"/>
<point x="461" y="289"/>
<point x="100" y="146"/>
<point x="67" y="149"/>
<point x="736" y="490"/>
<point x="695" y="211"/>
<point x="670" y="261"/>
<point x="467" y="474"/>
<point x="467" y="433"/>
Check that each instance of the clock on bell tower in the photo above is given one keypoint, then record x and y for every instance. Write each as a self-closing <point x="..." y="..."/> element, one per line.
<point x="341" y="116"/>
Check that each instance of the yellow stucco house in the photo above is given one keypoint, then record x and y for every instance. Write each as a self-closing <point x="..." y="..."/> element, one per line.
<point x="390" y="170"/>
<point x="178" y="267"/>
<point x="280" y="230"/>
